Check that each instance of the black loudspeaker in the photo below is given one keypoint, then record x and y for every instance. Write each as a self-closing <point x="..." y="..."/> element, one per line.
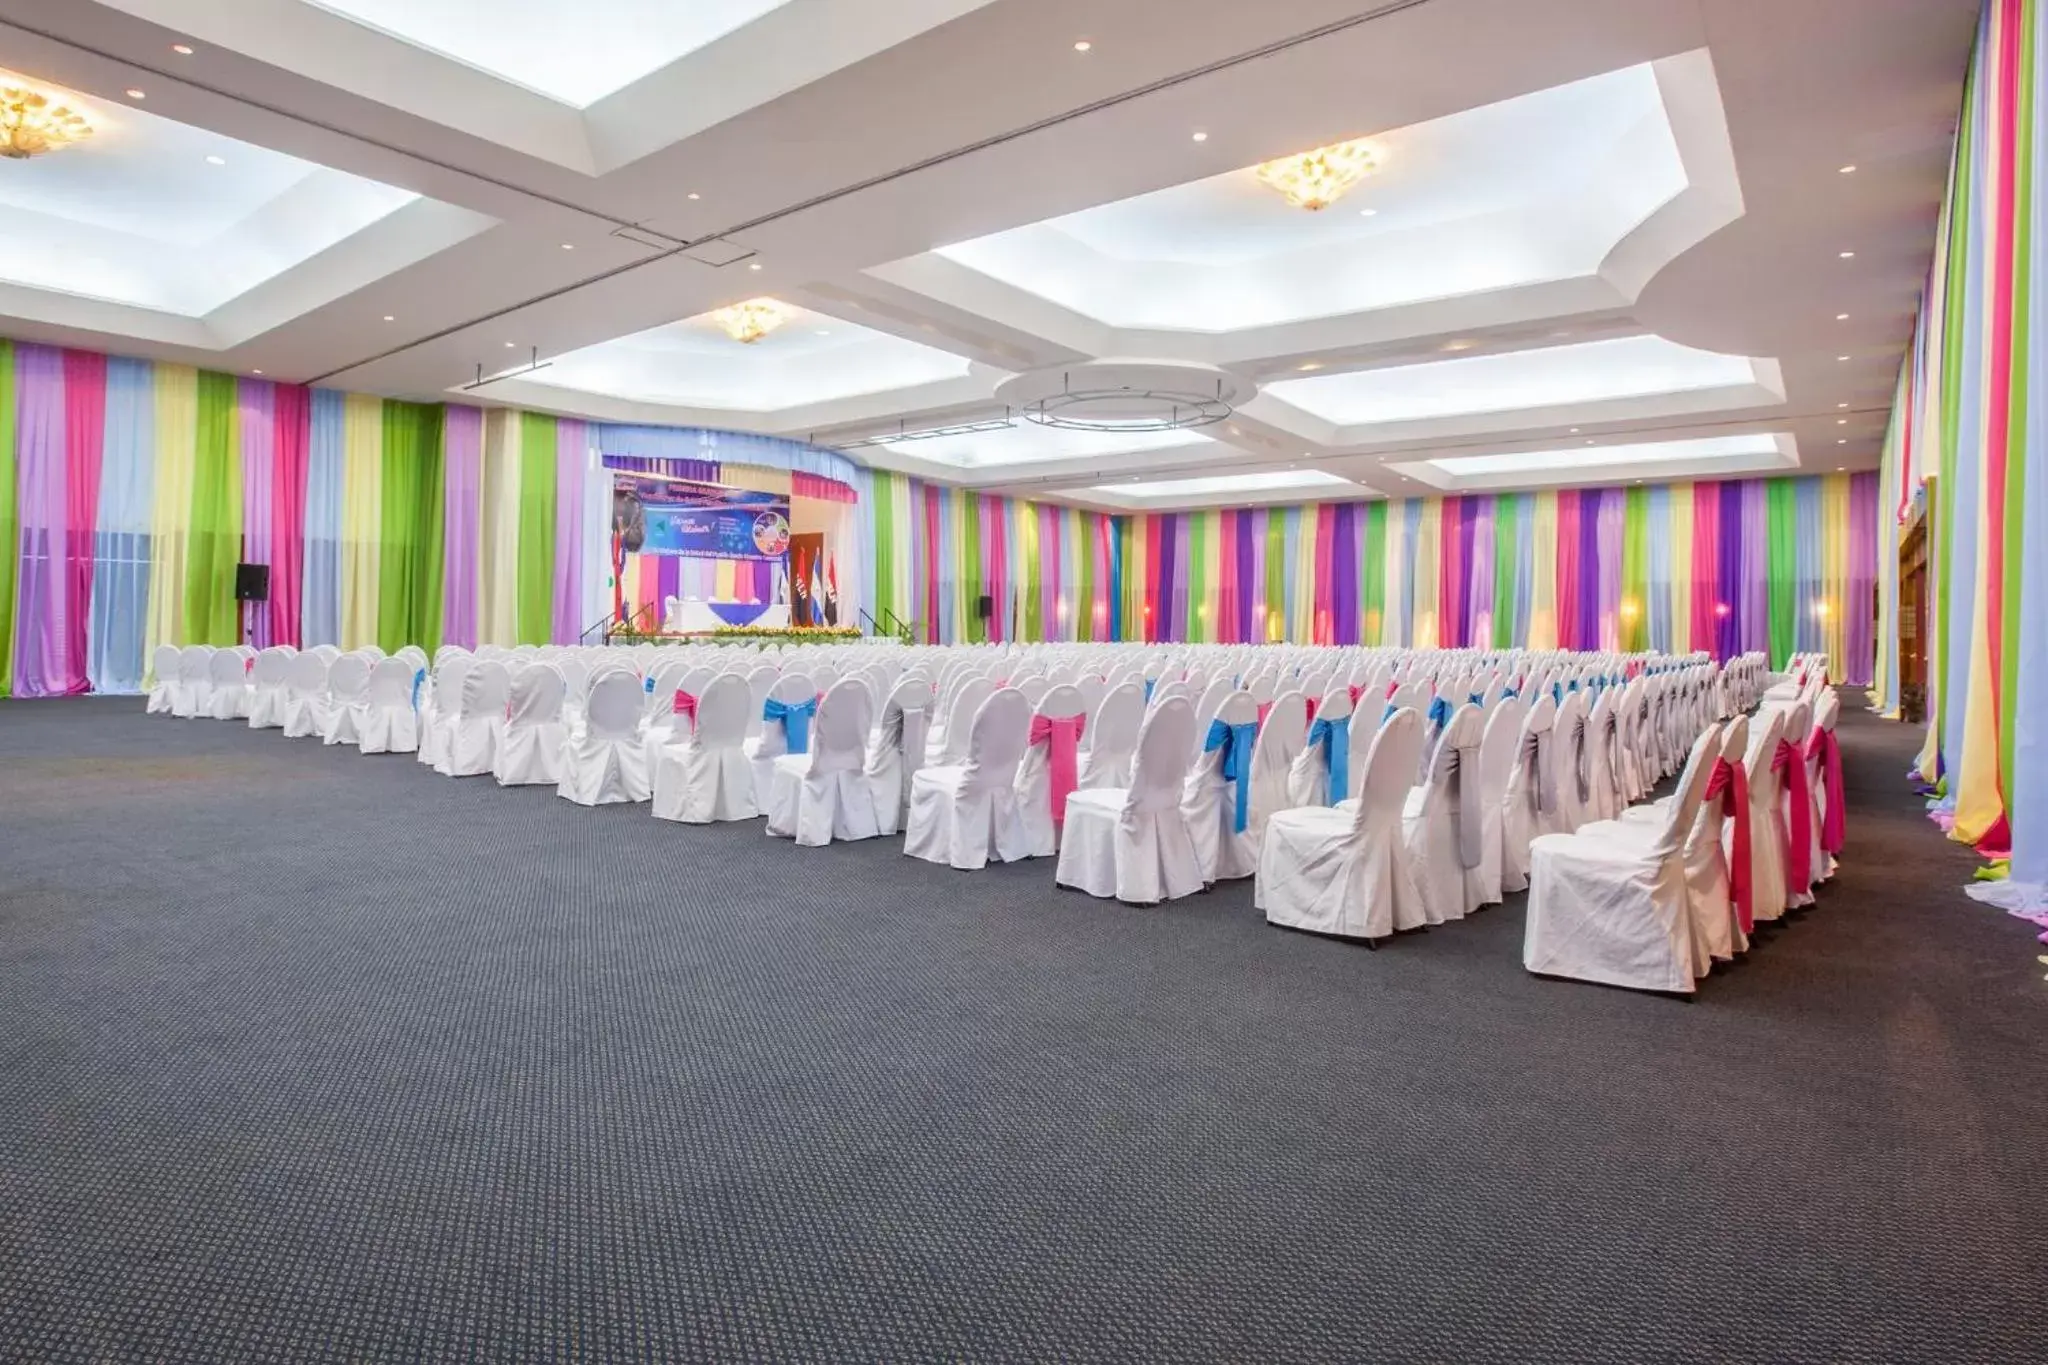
<point x="984" y="606"/>
<point x="252" y="582"/>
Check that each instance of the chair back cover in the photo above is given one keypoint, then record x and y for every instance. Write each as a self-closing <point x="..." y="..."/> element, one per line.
<point x="306" y="676"/>
<point x="348" y="678"/>
<point x="722" y="710"/>
<point x="227" y="668"/>
<point x="536" y="697"/>
<point x="839" y="736"/>
<point x="1113" y="729"/>
<point x="164" y="663"/>
<point x="485" y="687"/>
<point x="760" y="682"/>
<point x="271" y="665"/>
<point x="965" y="705"/>
<point x="1452" y="789"/>
<point x="1389" y="770"/>
<point x="1166" y="746"/>
<point x="996" y="740"/>
<point x="390" y="684"/>
<point x="1692" y="790"/>
<point x="614" y="704"/>
<point x="448" y="679"/>
<point x="195" y="663"/>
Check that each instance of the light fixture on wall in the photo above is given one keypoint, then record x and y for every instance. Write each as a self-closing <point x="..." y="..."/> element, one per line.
<point x="32" y="124"/>
<point x="748" y="322"/>
<point x="1316" y="179"/>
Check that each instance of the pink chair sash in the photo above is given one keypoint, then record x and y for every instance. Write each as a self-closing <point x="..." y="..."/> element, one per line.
<point x="1833" y="822"/>
<point x="1730" y="782"/>
<point x="1357" y="690"/>
<point x="686" y="705"/>
<point x="1799" y="851"/>
<point x="1313" y="703"/>
<point x="1265" y="709"/>
<point x="1062" y="737"/>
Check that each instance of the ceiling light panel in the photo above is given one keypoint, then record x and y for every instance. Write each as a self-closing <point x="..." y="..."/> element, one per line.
<point x="1270" y="481"/>
<point x="1751" y="447"/>
<point x="1553" y="376"/>
<point x="1028" y="443"/>
<point x="1533" y="189"/>
<point x="575" y="54"/>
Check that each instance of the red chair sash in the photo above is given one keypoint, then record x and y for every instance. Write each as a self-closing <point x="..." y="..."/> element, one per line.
<point x="1833" y="821"/>
<point x="1799" y="840"/>
<point x="1730" y="782"/>
<point x="1062" y="737"/>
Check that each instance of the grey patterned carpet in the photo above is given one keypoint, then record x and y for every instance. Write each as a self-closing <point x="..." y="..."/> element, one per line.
<point x="307" y="1056"/>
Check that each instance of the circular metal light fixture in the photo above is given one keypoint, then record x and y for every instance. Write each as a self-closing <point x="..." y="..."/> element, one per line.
<point x="1125" y="396"/>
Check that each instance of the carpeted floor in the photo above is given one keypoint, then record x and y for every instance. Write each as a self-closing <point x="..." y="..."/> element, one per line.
<point x="307" y="1056"/>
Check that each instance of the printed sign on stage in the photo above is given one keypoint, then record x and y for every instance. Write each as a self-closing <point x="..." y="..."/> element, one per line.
<point x="655" y="516"/>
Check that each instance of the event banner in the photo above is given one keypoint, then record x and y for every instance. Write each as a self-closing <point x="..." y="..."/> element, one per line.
<point x="656" y="516"/>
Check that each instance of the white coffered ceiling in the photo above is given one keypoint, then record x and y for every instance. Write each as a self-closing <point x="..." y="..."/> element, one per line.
<point x="1615" y="240"/>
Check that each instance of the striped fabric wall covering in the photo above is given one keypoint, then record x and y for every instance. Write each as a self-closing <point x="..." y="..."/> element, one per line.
<point x="1969" y="431"/>
<point x="1773" y="564"/>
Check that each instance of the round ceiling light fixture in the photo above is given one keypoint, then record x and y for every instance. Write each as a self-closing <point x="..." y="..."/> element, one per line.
<point x="31" y="123"/>
<point x="1318" y="178"/>
<point x="1125" y="395"/>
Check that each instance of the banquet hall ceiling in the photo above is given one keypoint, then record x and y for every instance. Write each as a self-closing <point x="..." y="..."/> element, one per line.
<point x="1619" y="239"/>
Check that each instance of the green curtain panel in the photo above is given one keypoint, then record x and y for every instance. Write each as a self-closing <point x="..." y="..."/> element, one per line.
<point x="536" y="601"/>
<point x="213" y="544"/>
<point x="411" y="531"/>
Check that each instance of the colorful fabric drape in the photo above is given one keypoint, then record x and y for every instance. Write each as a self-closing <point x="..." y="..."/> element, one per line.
<point x="1966" y="444"/>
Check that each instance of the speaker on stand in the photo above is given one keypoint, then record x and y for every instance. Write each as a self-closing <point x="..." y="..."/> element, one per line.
<point x="252" y="584"/>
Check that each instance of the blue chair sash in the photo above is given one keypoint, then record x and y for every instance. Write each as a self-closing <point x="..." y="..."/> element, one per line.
<point x="1335" y="737"/>
<point x="1236" y="742"/>
<point x="796" y="721"/>
<point x="1150" y="683"/>
<point x="419" y="680"/>
<point x="1439" y="713"/>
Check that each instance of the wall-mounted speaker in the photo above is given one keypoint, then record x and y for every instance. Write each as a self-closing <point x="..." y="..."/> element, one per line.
<point x="252" y="582"/>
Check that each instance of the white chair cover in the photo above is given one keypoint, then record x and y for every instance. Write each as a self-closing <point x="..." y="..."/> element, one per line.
<point x="306" y="699"/>
<point x="267" y="687"/>
<point x="1133" y="844"/>
<point x="1060" y="706"/>
<point x="703" y="775"/>
<point x="1347" y="871"/>
<point x="817" y="797"/>
<point x="603" y="761"/>
<point x="194" y="691"/>
<point x="1617" y="910"/>
<point x="163" y="691"/>
<point x="773" y="740"/>
<point x="472" y="739"/>
<point x="443" y="705"/>
<point x="530" y="740"/>
<point x="896" y="751"/>
<point x="963" y="814"/>
<point x="228" y="676"/>
<point x="1443" y="821"/>
<point x="1220" y="786"/>
<point x="383" y="716"/>
<point x="347" y="681"/>
<point x="1485" y="883"/>
<point x="1111" y="737"/>
<point x="1283" y="730"/>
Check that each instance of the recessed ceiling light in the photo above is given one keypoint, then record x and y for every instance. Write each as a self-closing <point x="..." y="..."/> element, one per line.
<point x="254" y="371"/>
<point x="510" y="344"/>
<point x="134" y="94"/>
<point x="1841" y="421"/>
<point x="1841" y="357"/>
<point x="216" y="161"/>
<point x="1083" y="45"/>
<point x="1459" y="345"/>
<point x="1841" y="405"/>
<point x="1308" y="365"/>
<point x="1575" y="431"/>
<point x="1848" y="170"/>
<point x="1591" y="442"/>
<point x="1368" y="213"/>
<point x="823" y="332"/>
<point x="1841" y="317"/>
<point x="695" y="195"/>
<point x="184" y="51"/>
<point x="756" y="265"/>
<point x="1848" y="255"/>
<point x="568" y="246"/>
<point x="1844" y="441"/>
<point x="389" y="318"/>
<point x="1201" y="137"/>
<point x="1840" y="467"/>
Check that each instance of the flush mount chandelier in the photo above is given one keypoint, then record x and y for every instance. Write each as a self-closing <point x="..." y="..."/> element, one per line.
<point x="30" y="124"/>
<point x="1316" y="179"/>
<point x="748" y="322"/>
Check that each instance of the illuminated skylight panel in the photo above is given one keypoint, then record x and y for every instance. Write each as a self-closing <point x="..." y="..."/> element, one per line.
<point x="1752" y="446"/>
<point x="1030" y="443"/>
<point x="1269" y="481"/>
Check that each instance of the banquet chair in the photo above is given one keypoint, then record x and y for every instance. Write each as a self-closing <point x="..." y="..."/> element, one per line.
<point x="1824" y="779"/>
<point x="1442" y="821"/>
<point x="1568" y="757"/>
<point x="163" y="692"/>
<point x="819" y="796"/>
<point x="1767" y="838"/>
<point x="1486" y="882"/>
<point x="963" y="814"/>
<point x="1283" y="732"/>
<point x="1132" y="843"/>
<point x="1322" y="771"/>
<point x="1347" y="872"/>
<point x="384" y="721"/>
<point x="530" y="740"/>
<point x="786" y="718"/>
<point x="195" y="682"/>
<point x="896" y="751"/>
<point x="1111" y="737"/>
<point x="702" y="776"/>
<point x="442" y="705"/>
<point x="1798" y="810"/>
<point x="760" y="682"/>
<point x="603" y="762"/>
<point x="1051" y="767"/>
<point x="267" y="687"/>
<point x="1719" y="889"/>
<point x="1603" y="791"/>
<point x="306" y="701"/>
<point x="470" y="746"/>
<point x="1617" y="911"/>
<point x="347" y="680"/>
<point x="228" y="693"/>
<point x="670" y="706"/>
<point x="1217" y="800"/>
<point x="947" y="741"/>
<point x="1208" y="703"/>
